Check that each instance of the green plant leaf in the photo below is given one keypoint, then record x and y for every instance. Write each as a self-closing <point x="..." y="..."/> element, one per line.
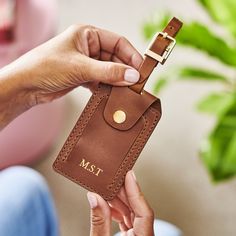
<point x="200" y="74"/>
<point x="211" y="155"/>
<point x="187" y="73"/>
<point x="216" y="103"/>
<point x="223" y="12"/>
<point x="200" y="37"/>
<point x="160" y="84"/>
<point x="155" y="24"/>
<point x="229" y="165"/>
<point x="197" y="36"/>
<point x="219" y="151"/>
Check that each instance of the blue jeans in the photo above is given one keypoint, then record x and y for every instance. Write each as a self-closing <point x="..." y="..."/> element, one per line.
<point x="26" y="206"/>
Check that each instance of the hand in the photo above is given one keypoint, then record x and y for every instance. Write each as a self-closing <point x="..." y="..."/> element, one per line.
<point x="129" y="209"/>
<point x="82" y="55"/>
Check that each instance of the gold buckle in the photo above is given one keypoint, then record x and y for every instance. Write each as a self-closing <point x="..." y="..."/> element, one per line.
<point x="162" y="59"/>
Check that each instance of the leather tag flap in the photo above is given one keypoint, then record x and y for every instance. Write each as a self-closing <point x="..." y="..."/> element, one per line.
<point x="129" y="105"/>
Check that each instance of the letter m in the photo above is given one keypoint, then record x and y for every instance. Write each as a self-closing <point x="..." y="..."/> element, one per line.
<point x="84" y="164"/>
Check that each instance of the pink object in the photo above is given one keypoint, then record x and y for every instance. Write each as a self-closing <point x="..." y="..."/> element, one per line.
<point x="30" y="135"/>
<point x="35" y="23"/>
<point x="7" y="20"/>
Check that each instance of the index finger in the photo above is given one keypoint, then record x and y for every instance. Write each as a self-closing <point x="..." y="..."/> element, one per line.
<point x="120" y="47"/>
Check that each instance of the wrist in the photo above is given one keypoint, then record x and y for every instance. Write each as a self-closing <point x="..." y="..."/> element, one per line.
<point x="15" y="99"/>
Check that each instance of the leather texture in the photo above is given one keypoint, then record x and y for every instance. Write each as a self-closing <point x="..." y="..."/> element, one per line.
<point x="99" y="151"/>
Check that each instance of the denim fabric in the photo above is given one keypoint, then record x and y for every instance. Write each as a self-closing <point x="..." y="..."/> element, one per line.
<point x="26" y="206"/>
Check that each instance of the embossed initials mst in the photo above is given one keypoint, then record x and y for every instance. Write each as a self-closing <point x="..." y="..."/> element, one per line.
<point x="90" y="167"/>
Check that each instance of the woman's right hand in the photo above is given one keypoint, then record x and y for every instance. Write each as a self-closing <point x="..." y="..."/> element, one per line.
<point x="129" y="209"/>
<point x="81" y="55"/>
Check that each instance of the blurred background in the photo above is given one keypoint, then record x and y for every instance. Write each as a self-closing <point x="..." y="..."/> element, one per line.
<point x="186" y="170"/>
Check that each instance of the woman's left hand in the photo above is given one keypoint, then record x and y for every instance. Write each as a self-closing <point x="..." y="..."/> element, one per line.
<point x="129" y="209"/>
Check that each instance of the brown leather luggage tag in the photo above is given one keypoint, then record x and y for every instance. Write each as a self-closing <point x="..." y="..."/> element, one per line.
<point x="115" y="126"/>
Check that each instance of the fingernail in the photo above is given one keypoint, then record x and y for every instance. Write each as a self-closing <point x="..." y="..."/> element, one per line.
<point x="134" y="177"/>
<point x="131" y="75"/>
<point x="93" y="202"/>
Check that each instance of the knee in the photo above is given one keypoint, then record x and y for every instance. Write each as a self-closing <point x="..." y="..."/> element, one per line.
<point x="20" y="186"/>
<point x="20" y="177"/>
<point x="25" y="203"/>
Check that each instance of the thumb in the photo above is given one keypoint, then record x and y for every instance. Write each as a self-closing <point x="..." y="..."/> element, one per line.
<point x="100" y="215"/>
<point x="144" y="215"/>
<point x="109" y="72"/>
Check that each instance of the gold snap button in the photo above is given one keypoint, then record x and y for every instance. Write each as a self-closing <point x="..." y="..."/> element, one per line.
<point x="119" y="116"/>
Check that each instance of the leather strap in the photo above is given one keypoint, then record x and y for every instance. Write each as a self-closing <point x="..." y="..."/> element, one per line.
<point x="157" y="49"/>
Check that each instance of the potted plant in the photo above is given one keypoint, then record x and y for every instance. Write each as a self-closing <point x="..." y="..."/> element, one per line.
<point x="218" y="150"/>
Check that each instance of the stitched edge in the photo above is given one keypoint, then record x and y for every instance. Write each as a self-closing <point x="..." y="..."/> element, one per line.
<point x="132" y="149"/>
<point x="77" y="131"/>
<point x="121" y="168"/>
<point x="74" y="137"/>
<point x="135" y="155"/>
